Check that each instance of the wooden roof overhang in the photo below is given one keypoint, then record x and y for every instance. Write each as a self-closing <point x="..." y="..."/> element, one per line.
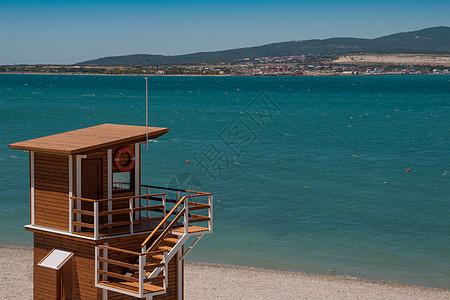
<point x="89" y="139"/>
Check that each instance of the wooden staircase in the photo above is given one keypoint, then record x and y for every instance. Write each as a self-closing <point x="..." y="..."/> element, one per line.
<point x="148" y="276"/>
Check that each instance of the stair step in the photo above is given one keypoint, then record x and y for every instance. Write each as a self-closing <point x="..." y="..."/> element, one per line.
<point x="152" y="266"/>
<point x="158" y="277"/>
<point x="171" y="240"/>
<point x="132" y="287"/>
<point x="153" y="261"/>
<point x="147" y="273"/>
<point x="157" y="251"/>
<point x="128" y="276"/>
<point x="165" y="248"/>
<point x="191" y="229"/>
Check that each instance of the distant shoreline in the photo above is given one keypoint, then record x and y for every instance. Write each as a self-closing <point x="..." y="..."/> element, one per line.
<point x="213" y="75"/>
<point x="357" y="64"/>
<point x="241" y="282"/>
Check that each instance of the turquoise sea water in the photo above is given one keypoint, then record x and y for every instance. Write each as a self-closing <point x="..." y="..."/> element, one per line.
<point x="309" y="174"/>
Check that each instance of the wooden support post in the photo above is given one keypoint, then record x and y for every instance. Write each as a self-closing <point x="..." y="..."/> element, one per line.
<point x="110" y="183"/>
<point x="131" y="215"/>
<point x="148" y="202"/>
<point x="210" y="210"/>
<point x="164" y="209"/>
<point x="70" y="194"/>
<point x="186" y="215"/>
<point x="165" y="272"/>
<point x="105" y="264"/>
<point x="95" y="220"/>
<point x="137" y="181"/>
<point x="78" y="176"/>
<point x="70" y="214"/>
<point x="97" y="264"/>
<point x="180" y="287"/>
<point x="32" y="199"/>
<point x="141" y="275"/>
<point x="178" y="199"/>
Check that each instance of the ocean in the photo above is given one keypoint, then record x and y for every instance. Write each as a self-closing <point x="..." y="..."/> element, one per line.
<point x="308" y="173"/>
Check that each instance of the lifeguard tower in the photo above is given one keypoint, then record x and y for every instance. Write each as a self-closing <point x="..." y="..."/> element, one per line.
<point x="99" y="233"/>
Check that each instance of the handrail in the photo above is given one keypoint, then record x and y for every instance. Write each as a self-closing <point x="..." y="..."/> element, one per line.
<point x="168" y="228"/>
<point x="162" y="222"/>
<point x="163" y="188"/>
<point x="117" y="198"/>
<point x="120" y="250"/>
<point x="173" y="189"/>
<point x="95" y="225"/>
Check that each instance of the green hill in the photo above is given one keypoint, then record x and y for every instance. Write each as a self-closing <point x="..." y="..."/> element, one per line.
<point x="434" y="40"/>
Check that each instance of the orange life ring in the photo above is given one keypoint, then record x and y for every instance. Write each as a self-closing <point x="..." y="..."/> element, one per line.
<point x="119" y="166"/>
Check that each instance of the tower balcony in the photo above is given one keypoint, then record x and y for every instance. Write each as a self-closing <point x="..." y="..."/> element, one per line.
<point x="102" y="218"/>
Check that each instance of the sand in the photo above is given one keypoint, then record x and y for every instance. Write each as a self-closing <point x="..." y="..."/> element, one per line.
<point x="213" y="281"/>
<point x="16" y="272"/>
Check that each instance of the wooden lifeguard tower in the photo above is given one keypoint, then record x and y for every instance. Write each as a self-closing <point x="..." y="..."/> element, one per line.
<point x="99" y="233"/>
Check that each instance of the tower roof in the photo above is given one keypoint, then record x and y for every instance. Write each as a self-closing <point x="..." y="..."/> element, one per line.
<point x="88" y="139"/>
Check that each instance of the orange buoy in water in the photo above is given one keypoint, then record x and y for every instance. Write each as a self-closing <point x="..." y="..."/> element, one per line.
<point x="408" y="170"/>
<point x="188" y="161"/>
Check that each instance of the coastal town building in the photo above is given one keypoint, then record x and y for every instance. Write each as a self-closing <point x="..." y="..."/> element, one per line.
<point x="299" y="65"/>
<point x="99" y="232"/>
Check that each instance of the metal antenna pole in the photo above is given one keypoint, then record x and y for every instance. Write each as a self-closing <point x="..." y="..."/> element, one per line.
<point x="146" y="113"/>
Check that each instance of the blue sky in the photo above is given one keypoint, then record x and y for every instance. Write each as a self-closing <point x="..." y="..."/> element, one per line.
<point x="67" y="32"/>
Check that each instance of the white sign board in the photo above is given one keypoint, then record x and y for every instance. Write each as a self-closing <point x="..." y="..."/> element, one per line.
<point x="55" y="259"/>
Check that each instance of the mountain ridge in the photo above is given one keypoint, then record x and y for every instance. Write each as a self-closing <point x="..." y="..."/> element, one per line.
<point x="434" y="40"/>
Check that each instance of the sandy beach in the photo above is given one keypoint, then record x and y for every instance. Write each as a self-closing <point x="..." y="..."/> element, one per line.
<point x="214" y="281"/>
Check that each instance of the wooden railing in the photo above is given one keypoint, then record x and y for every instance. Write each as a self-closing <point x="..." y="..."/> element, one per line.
<point x="95" y="217"/>
<point x="132" y="266"/>
<point x="128" y="271"/>
<point x="129" y="216"/>
<point x="180" y="210"/>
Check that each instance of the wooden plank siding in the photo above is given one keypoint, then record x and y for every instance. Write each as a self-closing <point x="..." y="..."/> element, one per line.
<point x="83" y="280"/>
<point x="51" y="173"/>
<point x="172" y="283"/>
<point x="51" y="181"/>
<point x="83" y="270"/>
